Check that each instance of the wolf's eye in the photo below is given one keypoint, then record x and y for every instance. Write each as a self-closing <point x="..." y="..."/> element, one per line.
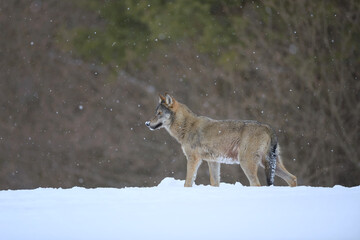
<point x="159" y="113"/>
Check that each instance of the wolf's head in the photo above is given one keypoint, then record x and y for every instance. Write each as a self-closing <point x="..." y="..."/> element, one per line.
<point x="164" y="113"/>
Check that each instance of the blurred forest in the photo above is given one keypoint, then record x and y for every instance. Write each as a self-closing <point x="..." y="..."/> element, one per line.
<point x="80" y="78"/>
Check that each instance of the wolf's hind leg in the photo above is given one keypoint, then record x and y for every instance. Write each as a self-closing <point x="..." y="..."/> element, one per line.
<point x="250" y="168"/>
<point x="214" y="170"/>
<point x="284" y="174"/>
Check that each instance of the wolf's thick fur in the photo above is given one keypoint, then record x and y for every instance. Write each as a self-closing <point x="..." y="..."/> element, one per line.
<point x="248" y="143"/>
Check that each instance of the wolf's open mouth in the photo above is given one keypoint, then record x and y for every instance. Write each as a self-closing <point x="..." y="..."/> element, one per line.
<point x="156" y="126"/>
<point x="151" y="127"/>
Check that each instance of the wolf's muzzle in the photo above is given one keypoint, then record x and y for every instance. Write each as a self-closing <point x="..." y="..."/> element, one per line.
<point x="147" y="123"/>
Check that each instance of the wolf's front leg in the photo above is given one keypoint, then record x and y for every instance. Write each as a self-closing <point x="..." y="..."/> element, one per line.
<point x="193" y="163"/>
<point x="214" y="170"/>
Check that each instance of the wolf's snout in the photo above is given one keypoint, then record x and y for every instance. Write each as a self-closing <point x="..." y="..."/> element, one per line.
<point x="147" y="123"/>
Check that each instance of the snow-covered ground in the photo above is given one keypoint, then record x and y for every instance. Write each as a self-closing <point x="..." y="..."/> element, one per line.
<point x="170" y="211"/>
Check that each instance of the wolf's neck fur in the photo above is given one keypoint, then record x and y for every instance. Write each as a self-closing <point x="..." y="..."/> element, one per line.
<point x="183" y="119"/>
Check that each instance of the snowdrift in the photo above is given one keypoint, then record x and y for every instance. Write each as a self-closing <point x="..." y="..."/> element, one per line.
<point x="170" y="211"/>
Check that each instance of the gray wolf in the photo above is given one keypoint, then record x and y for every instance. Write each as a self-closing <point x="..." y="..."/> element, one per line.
<point x="248" y="143"/>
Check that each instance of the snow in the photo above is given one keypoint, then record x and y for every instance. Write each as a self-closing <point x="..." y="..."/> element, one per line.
<point x="170" y="211"/>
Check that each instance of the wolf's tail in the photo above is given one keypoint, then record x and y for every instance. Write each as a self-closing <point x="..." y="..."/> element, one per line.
<point x="270" y="163"/>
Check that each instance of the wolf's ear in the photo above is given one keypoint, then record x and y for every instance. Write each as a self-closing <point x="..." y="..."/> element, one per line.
<point x="169" y="100"/>
<point x="161" y="98"/>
